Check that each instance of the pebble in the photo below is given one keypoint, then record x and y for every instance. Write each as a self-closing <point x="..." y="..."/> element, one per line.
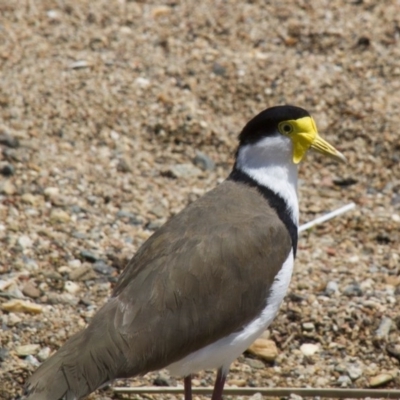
<point x="71" y="287"/>
<point x="237" y="382"/>
<point x="9" y="140"/>
<point x="344" y="380"/>
<point x="353" y="289"/>
<point x="51" y="192"/>
<point x="3" y="354"/>
<point x="21" y="306"/>
<point x="394" y="350"/>
<point x="13" y="319"/>
<point x="384" y="328"/>
<point x="74" y="263"/>
<point x="80" y="64"/>
<point x="64" y="298"/>
<point x="25" y="241"/>
<point x="133" y="219"/>
<point x="26" y="350"/>
<point x="204" y="162"/>
<point x="354" y="371"/>
<point x="380" y="379"/>
<point x="103" y="268"/>
<point x="331" y="288"/>
<point x="256" y="364"/>
<point x="29" y="198"/>
<point x="184" y="171"/>
<point x="82" y="273"/>
<point x="264" y="348"/>
<point x="44" y="353"/>
<point x="309" y="349"/>
<point x="308" y="326"/>
<point x="162" y="379"/>
<point x="32" y="360"/>
<point x="6" y="187"/>
<point x="30" y="290"/>
<point x="7" y="170"/>
<point x="58" y="215"/>
<point x="89" y="256"/>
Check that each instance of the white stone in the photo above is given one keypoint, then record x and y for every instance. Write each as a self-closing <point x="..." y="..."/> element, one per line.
<point x="25" y="241"/>
<point x="71" y="287"/>
<point x="309" y="349"/>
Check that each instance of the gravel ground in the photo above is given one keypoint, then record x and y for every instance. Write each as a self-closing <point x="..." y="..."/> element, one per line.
<point x="116" y="114"/>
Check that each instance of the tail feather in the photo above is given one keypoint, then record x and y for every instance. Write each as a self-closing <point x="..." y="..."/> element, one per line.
<point x="87" y="361"/>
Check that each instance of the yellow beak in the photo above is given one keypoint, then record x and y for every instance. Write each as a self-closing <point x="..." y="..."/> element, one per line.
<point x="305" y="136"/>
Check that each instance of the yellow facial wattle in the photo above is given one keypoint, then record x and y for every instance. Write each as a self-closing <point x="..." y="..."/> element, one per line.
<point x="304" y="135"/>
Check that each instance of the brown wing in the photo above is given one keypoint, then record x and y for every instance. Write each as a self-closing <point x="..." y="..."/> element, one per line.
<point x="205" y="274"/>
<point x="199" y="278"/>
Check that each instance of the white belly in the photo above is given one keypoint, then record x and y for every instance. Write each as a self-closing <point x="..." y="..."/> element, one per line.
<point x="223" y="352"/>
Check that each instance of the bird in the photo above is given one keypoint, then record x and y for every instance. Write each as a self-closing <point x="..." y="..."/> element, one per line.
<point x="205" y="285"/>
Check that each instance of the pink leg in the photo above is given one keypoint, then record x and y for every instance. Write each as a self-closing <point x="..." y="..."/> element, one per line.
<point x="219" y="385"/>
<point x="188" y="387"/>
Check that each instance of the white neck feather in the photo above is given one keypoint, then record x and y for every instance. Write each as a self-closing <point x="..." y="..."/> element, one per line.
<point x="270" y="163"/>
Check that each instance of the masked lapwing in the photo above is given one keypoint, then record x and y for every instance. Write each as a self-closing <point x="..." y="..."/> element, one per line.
<point x="204" y="286"/>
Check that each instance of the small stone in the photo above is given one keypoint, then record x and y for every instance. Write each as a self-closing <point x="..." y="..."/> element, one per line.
<point x="103" y="268"/>
<point x="53" y="14"/>
<point x="30" y="290"/>
<point x="25" y="241"/>
<point x="30" y="264"/>
<point x="384" y="328"/>
<point x="58" y="215"/>
<point x="123" y="166"/>
<point x="50" y="192"/>
<point x="294" y="396"/>
<point x="26" y="350"/>
<point x="354" y="371"/>
<point x="9" y="140"/>
<point x="163" y="379"/>
<point x="3" y="354"/>
<point x="80" y="64"/>
<point x="380" y="379"/>
<point x="44" y="353"/>
<point x="160" y="11"/>
<point x="256" y="364"/>
<point x="204" y="162"/>
<point x="309" y="349"/>
<point x="184" y="171"/>
<point x="83" y="273"/>
<point x="64" y="298"/>
<point x="237" y="382"/>
<point x="142" y="82"/>
<point x="89" y="256"/>
<point x="353" y="289"/>
<point x="331" y="288"/>
<point x="308" y="326"/>
<point x="265" y="349"/>
<point x="344" y="381"/>
<point x="13" y="319"/>
<point x="32" y="360"/>
<point x="7" y="170"/>
<point x="394" y="350"/>
<point x="75" y="263"/>
<point x="21" y="306"/>
<point x="71" y="287"/>
<point x="6" y="187"/>
<point x="29" y="198"/>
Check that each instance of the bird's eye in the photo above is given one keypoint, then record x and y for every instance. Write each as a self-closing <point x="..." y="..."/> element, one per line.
<point x="285" y="128"/>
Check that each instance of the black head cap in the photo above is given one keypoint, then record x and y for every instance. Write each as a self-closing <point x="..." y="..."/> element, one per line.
<point x="266" y="123"/>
